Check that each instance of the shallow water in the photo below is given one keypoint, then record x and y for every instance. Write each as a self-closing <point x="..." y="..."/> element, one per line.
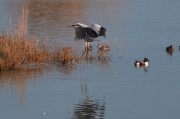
<point x="113" y="89"/>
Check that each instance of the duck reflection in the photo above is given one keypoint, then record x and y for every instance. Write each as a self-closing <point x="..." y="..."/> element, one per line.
<point x="89" y="108"/>
<point x="145" y="69"/>
<point x="170" y="53"/>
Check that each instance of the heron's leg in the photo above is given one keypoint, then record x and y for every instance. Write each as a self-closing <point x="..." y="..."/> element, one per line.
<point x="86" y="47"/>
<point x="88" y="44"/>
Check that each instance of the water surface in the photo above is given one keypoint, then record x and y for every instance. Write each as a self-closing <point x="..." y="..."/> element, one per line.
<point x="113" y="89"/>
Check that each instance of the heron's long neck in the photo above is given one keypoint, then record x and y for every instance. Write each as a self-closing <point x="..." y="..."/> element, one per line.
<point x="82" y="25"/>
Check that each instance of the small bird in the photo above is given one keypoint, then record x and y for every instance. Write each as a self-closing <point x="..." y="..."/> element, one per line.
<point x="170" y="49"/>
<point x="69" y="62"/>
<point x="103" y="47"/>
<point x="89" y="34"/>
<point x="141" y="63"/>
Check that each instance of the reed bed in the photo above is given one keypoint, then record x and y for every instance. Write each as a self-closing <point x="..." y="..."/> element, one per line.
<point x="64" y="55"/>
<point x="17" y="50"/>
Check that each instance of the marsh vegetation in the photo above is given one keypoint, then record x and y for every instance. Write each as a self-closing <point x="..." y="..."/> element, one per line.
<point x="18" y="50"/>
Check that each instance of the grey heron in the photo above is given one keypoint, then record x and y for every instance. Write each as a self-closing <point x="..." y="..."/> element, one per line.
<point x="89" y="34"/>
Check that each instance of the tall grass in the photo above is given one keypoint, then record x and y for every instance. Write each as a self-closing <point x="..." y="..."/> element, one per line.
<point x="16" y="49"/>
<point x="14" y="52"/>
<point x="64" y="55"/>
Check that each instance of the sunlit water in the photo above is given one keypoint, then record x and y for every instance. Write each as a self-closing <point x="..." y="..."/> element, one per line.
<point x="110" y="90"/>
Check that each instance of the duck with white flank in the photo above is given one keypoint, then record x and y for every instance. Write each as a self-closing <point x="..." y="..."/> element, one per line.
<point x="141" y="63"/>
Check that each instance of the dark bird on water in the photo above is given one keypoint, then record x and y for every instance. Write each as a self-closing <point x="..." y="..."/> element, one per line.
<point x="170" y="49"/>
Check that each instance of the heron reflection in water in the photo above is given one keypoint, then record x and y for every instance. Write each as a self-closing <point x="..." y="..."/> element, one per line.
<point x="89" y="108"/>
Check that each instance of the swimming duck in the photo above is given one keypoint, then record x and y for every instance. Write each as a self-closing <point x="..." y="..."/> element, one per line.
<point x="103" y="47"/>
<point x="170" y="49"/>
<point x="68" y="62"/>
<point x="141" y="63"/>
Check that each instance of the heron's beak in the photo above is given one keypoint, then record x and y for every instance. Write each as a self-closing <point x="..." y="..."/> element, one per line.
<point x="74" y="26"/>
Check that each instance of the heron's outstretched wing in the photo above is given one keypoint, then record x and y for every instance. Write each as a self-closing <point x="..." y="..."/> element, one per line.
<point x="102" y="32"/>
<point x="99" y="29"/>
<point x="90" y="33"/>
<point x="80" y="34"/>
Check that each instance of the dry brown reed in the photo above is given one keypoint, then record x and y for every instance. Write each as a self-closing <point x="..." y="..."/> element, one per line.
<point x="20" y="29"/>
<point x="18" y="50"/>
<point x="15" y="52"/>
<point x="64" y="55"/>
